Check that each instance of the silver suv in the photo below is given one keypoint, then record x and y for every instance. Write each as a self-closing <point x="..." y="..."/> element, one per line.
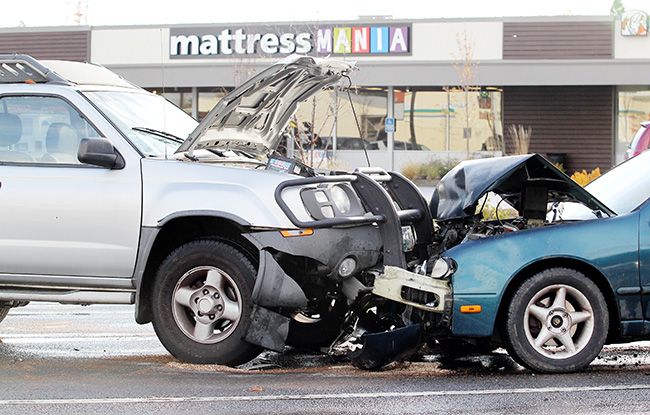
<point x="110" y="194"/>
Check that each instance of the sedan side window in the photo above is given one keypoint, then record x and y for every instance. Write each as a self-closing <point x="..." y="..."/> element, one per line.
<point x="41" y="129"/>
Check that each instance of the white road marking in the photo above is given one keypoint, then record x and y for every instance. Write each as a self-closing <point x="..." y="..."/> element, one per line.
<point x="297" y="397"/>
<point x="31" y="338"/>
<point x="72" y="313"/>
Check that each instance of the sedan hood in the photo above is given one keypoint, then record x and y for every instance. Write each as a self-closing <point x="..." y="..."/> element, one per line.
<point x="253" y="115"/>
<point x="459" y="192"/>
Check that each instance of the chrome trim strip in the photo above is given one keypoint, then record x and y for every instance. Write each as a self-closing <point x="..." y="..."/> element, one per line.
<point x="70" y="297"/>
<point x="66" y="282"/>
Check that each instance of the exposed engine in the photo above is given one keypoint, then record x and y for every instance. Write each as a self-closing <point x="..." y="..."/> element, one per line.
<point x="450" y="233"/>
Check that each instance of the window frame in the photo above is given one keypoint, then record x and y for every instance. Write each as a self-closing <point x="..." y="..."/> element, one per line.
<point x="46" y="164"/>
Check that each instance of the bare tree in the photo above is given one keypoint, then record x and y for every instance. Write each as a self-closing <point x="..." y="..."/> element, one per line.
<point x="617" y="9"/>
<point x="466" y="68"/>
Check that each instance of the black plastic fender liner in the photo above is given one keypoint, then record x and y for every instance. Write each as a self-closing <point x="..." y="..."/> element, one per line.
<point x="268" y="329"/>
<point x="379" y="349"/>
<point x="327" y="246"/>
<point x="379" y="202"/>
<point x="274" y="288"/>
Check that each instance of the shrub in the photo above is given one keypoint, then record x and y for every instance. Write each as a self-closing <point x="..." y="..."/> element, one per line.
<point x="432" y="170"/>
<point x="583" y="177"/>
<point x="411" y="170"/>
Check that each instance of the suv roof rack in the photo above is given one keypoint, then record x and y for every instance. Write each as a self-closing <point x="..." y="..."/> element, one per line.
<point x="17" y="68"/>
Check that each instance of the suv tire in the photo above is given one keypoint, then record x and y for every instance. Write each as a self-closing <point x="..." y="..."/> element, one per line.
<point x="307" y="332"/>
<point x="202" y="303"/>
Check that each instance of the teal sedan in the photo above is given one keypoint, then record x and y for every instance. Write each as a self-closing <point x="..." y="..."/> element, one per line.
<point x="555" y="294"/>
<point x="523" y="257"/>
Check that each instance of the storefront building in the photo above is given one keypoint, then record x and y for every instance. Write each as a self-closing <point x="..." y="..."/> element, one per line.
<point x="425" y="89"/>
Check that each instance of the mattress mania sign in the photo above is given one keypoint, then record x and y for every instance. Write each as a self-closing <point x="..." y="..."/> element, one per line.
<point x="269" y="41"/>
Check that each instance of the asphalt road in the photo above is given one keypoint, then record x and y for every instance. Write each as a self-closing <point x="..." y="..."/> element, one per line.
<point x="58" y="359"/>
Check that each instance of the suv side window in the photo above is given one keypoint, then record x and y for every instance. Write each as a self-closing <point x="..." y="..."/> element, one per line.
<point x="41" y="129"/>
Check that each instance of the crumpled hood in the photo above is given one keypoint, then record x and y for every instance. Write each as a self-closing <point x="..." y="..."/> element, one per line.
<point x="458" y="193"/>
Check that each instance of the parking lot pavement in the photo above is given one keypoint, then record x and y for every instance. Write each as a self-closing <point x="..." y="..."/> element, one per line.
<point x="71" y="359"/>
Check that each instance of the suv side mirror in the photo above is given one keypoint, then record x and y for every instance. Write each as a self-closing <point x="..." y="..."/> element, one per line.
<point x="99" y="152"/>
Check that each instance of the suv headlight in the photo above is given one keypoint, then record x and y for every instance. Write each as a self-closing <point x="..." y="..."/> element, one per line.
<point x="331" y="200"/>
<point x="341" y="199"/>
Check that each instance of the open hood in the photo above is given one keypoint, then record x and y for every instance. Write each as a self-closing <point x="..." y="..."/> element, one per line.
<point x="512" y="178"/>
<point x="253" y="115"/>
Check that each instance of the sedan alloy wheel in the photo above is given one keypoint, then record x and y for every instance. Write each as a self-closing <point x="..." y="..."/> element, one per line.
<point x="556" y="321"/>
<point x="559" y="321"/>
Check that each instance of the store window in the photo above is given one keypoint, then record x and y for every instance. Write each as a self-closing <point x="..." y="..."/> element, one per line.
<point x="448" y="120"/>
<point x="183" y="98"/>
<point x="370" y="106"/>
<point x="309" y="133"/>
<point x="208" y="98"/>
<point x="633" y="108"/>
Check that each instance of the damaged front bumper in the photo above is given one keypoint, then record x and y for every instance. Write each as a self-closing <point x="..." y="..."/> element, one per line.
<point x="370" y="241"/>
<point x="421" y="292"/>
<point x="416" y="290"/>
<point x="277" y="289"/>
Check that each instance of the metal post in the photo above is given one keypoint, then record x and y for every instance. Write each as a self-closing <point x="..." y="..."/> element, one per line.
<point x="469" y="135"/>
<point x="335" y="112"/>
<point x="390" y="113"/>
<point x="195" y="103"/>
<point x="448" y="124"/>
<point x="291" y="145"/>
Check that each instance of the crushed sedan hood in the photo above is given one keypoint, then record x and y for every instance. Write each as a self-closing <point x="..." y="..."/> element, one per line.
<point x="253" y="115"/>
<point x="459" y="192"/>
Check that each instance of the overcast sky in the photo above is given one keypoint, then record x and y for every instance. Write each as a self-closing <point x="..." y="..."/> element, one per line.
<point x="127" y="12"/>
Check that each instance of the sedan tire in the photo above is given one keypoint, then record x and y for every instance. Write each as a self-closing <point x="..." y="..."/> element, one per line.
<point x="556" y="322"/>
<point x="202" y="303"/>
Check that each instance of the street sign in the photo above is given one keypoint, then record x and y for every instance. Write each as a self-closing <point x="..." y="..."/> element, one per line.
<point x="390" y="125"/>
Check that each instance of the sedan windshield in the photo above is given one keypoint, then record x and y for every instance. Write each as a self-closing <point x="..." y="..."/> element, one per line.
<point x="153" y="124"/>
<point x="625" y="187"/>
<point x="622" y="189"/>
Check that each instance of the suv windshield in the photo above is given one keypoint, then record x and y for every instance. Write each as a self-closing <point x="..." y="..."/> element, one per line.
<point x="153" y="124"/>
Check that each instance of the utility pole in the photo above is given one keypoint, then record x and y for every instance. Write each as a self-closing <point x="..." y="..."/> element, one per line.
<point x="390" y="136"/>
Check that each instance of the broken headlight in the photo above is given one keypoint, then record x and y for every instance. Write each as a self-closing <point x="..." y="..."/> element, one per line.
<point x="408" y="238"/>
<point x="331" y="200"/>
<point x="442" y="268"/>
